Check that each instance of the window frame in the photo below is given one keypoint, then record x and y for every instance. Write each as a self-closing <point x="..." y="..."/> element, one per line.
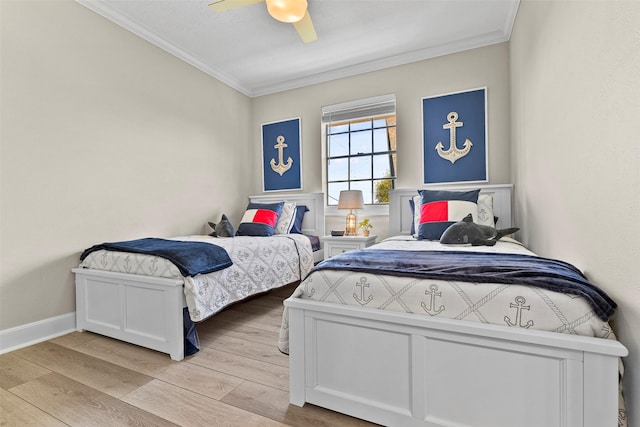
<point x="364" y="109"/>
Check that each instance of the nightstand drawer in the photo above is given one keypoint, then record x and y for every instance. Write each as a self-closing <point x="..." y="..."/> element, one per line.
<point x="336" y="245"/>
<point x="338" y="248"/>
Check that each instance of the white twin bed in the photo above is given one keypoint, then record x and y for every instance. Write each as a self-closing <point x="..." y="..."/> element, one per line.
<point x="398" y="351"/>
<point x="404" y="351"/>
<point x="140" y="298"/>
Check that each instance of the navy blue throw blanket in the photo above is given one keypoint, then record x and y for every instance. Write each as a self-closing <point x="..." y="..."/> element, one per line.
<point x="479" y="267"/>
<point x="191" y="258"/>
<point x="190" y="334"/>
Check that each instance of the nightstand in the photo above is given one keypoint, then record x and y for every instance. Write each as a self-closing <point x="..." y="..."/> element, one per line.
<point x="335" y="245"/>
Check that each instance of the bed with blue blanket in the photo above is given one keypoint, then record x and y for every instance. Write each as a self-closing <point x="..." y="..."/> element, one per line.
<point x="152" y="292"/>
<point x="413" y="332"/>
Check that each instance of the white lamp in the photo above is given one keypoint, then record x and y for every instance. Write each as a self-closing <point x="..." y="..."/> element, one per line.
<point x="289" y="11"/>
<point x="350" y="199"/>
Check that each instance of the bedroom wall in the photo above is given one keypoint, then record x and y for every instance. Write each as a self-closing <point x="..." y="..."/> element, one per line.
<point x="410" y="83"/>
<point x="104" y="137"/>
<point x="575" y="86"/>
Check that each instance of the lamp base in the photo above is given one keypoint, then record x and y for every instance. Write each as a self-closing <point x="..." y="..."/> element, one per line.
<point x="350" y="229"/>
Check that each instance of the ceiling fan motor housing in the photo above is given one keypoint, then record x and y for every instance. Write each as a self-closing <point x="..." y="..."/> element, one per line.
<point x="288" y="11"/>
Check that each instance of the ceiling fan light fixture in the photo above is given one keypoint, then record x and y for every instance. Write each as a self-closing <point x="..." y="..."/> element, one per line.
<point x="288" y="11"/>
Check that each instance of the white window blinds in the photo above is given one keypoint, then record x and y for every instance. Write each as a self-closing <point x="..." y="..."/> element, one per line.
<point x="369" y="107"/>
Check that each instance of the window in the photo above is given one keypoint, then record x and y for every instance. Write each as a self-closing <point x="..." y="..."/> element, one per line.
<point x="361" y="149"/>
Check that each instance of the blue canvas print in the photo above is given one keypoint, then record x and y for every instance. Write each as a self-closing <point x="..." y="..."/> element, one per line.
<point x="454" y="133"/>
<point x="281" y="155"/>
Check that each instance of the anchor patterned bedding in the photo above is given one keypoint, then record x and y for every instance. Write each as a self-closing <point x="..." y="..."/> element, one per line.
<point x="513" y="306"/>
<point x="259" y="264"/>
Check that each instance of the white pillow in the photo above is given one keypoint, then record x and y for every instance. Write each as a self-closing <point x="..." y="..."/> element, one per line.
<point x="485" y="210"/>
<point x="286" y="218"/>
<point x="417" y="203"/>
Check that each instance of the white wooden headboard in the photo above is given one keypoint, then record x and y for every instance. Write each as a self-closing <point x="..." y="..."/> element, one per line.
<point x="400" y="216"/>
<point x="313" y="222"/>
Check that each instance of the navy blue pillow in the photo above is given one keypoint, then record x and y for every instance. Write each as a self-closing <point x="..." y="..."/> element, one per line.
<point x="297" y="221"/>
<point x="260" y="219"/>
<point x="441" y="208"/>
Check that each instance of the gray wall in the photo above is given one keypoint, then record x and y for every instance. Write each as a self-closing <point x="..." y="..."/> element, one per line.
<point x="104" y="137"/>
<point x="484" y="67"/>
<point x="575" y="110"/>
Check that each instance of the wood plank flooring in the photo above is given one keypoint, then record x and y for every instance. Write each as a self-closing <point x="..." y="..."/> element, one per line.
<point x="239" y="378"/>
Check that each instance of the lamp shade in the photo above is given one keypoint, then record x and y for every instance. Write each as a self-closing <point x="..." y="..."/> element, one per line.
<point x="351" y="199"/>
<point x="289" y="11"/>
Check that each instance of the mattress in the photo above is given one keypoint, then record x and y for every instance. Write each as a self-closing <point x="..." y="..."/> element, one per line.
<point x="259" y="264"/>
<point x="514" y="306"/>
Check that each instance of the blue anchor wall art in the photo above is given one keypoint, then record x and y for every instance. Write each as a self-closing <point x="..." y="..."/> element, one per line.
<point x="454" y="132"/>
<point x="281" y="157"/>
<point x="453" y="153"/>
<point x="281" y="167"/>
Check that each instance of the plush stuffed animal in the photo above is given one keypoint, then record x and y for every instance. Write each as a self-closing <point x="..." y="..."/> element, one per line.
<point x="222" y="229"/>
<point x="467" y="231"/>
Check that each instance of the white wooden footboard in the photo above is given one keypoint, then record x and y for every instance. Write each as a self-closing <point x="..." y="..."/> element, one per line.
<point x="141" y="310"/>
<point x="398" y="369"/>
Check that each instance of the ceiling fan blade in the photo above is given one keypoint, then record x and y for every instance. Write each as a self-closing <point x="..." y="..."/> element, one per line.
<point x="305" y="29"/>
<point x="224" y="5"/>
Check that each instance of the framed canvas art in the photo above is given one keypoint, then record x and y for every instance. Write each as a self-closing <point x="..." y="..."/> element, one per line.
<point x="281" y="155"/>
<point x="454" y="135"/>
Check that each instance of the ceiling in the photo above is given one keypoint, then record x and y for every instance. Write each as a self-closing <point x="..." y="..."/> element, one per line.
<point x="255" y="54"/>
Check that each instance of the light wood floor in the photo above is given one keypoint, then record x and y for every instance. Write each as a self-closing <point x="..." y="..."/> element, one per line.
<point x="239" y="378"/>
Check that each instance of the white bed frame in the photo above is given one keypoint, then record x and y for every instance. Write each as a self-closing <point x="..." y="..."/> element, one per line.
<point x="399" y="369"/>
<point x="147" y="311"/>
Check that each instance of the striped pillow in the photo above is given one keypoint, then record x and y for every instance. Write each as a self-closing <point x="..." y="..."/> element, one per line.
<point x="299" y="217"/>
<point x="439" y="209"/>
<point x="260" y="219"/>
<point x="485" y="210"/>
<point x="285" y="220"/>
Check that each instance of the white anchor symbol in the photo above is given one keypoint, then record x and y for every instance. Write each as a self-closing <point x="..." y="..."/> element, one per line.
<point x="281" y="167"/>
<point x="453" y="153"/>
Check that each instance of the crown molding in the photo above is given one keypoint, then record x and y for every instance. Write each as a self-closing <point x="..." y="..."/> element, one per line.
<point x="102" y="8"/>
<point x="488" y="39"/>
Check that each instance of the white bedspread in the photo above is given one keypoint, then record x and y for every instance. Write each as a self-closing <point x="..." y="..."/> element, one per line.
<point x="259" y="264"/>
<point x="508" y="305"/>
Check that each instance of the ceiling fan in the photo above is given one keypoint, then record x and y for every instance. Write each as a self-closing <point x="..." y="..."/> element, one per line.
<point x="290" y="11"/>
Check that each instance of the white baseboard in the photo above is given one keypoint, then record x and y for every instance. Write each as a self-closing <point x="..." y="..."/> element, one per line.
<point x="33" y="333"/>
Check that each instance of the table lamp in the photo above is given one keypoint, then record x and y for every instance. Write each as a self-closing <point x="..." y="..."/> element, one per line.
<point x="350" y="199"/>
